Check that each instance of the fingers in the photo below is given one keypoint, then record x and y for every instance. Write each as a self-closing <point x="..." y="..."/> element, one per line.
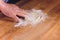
<point x="22" y="13"/>
<point x="19" y="23"/>
<point x="16" y="19"/>
<point x="18" y="10"/>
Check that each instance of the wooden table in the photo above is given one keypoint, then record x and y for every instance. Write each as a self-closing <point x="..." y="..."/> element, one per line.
<point x="47" y="30"/>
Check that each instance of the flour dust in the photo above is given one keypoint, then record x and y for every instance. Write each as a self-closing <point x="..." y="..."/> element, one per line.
<point x="34" y="17"/>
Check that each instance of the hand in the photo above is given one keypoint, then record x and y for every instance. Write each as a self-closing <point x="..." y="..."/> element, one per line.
<point x="12" y="10"/>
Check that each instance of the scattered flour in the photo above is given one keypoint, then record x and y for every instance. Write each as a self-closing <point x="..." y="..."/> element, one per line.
<point x="34" y="17"/>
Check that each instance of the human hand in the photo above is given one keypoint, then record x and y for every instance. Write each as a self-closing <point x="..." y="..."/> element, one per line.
<point x="12" y="11"/>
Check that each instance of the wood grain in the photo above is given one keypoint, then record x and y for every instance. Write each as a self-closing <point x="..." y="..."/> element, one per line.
<point x="47" y="30"/>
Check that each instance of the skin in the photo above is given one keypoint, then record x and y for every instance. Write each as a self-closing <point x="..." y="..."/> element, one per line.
<point x="12" y="10"/>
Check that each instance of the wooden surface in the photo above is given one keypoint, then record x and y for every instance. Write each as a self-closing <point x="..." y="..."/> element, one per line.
<point x="47" y="30"/>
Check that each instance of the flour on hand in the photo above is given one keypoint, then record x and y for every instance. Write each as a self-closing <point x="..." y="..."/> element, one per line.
<point x="34" y="17"/>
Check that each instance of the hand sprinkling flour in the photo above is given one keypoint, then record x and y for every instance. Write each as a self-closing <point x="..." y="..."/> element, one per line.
<point x="34" y="17"/>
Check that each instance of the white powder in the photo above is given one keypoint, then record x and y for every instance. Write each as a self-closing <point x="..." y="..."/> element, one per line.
<point x="34" y="17"/>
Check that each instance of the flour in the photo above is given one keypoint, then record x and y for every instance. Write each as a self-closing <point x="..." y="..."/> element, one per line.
<point x="34" y="17"/>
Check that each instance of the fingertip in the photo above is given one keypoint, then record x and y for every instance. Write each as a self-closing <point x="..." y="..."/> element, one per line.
<point x="16" y="19"/>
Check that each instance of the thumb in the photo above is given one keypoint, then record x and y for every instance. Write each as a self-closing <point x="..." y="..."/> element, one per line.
<point x="16" y="19"/>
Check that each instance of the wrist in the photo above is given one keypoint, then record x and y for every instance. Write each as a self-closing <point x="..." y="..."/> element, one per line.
<point x="2" y="3"/>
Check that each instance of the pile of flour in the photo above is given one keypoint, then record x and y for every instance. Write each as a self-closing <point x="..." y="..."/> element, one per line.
<point x="34" y="17"/>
